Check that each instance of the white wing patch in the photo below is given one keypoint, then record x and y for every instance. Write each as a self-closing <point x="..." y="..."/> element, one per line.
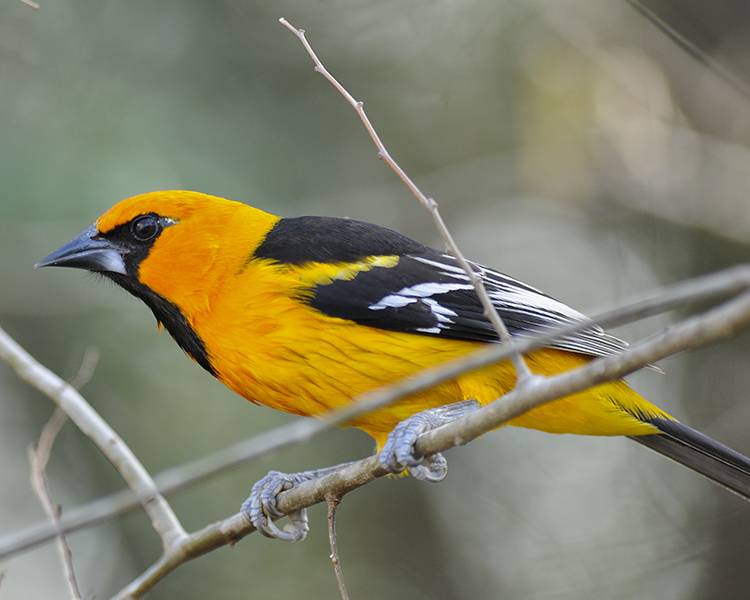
<point x="417" y="292"/>
<point x="505" y="290"/>
<point x="510" y="296"/>
<point x="454" y="271"/>
<point x="421" y="293"/>
<point x="442" y="313"/>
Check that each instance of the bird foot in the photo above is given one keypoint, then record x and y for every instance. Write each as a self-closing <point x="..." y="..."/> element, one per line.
<point x="260" y="508"/>
<point x="399" y="453"/>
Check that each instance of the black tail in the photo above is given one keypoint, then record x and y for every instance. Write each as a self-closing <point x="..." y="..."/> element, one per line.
<point x="700" y="453"/>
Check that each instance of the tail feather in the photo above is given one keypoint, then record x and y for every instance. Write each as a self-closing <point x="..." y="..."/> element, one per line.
<point x="700" y="453"/>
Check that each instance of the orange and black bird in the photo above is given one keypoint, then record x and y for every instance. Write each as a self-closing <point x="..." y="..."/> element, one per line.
<point x="302" y="314"/>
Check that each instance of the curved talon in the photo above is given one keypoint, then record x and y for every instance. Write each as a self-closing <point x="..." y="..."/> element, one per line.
<point x="398" y="453"/>
<point x="260" y="508"/>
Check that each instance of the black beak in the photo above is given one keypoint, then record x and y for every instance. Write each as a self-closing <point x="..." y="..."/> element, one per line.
<point x="85" y="251"/>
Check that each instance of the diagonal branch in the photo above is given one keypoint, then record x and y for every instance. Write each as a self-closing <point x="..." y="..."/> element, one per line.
<point x="91" y="424"/>
<point x="522" y="369"/>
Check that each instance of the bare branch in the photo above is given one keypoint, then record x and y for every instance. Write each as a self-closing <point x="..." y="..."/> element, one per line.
<point x="162" y="517"/>
<point x="692" y="49"/>
<point x="714" y="325"/>
<point x="33" y="5"/>
<point x="522" y="369"/>
<point x="39" y="457"/>
<point x="87" y="368"/>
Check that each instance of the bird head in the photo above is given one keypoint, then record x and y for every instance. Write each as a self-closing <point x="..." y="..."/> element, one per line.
<point x="178" y="244"/>
<point x="171" y="249"/>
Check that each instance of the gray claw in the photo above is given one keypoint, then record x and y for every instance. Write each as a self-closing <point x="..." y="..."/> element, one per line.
<point x="399" y="454"/>
<point x="260" y="508"/>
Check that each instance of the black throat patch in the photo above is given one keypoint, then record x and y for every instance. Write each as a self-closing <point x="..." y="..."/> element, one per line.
<point x="170" y="316"/>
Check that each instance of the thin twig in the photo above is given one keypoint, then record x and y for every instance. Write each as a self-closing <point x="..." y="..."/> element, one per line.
<point x="693" y="50"/>
<point x="33" y="5"/>
<point x="39" y="458"/>
<point x="87" y="368"/>
<point x="728" y="282"/>
<point x="522" y="369"/>
<point x="333" y="502"/>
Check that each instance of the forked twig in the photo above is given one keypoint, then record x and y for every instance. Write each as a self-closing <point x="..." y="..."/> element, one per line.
<point x="522" y="370"/>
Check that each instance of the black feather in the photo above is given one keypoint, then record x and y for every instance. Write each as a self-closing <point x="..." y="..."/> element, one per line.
<point x="329" y="240"/>
<point x="704" y="455"/>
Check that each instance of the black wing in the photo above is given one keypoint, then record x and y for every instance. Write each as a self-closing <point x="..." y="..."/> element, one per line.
<point x="426" y="292"/>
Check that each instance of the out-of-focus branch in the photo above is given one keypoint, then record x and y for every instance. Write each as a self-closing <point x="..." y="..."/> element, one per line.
<point x="38" y="458"/>
<point x="333" y="504"/>
<point x="162" y="517"/>
<point x="693" y="50"/>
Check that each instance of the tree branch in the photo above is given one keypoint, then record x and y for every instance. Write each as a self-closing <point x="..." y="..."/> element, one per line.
<point x="333" y="504"/>
<point x="91" y="424"/>
<point x="38" y="458"/>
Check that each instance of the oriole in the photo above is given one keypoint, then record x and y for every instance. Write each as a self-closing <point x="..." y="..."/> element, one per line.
<point x="302" y="314"/>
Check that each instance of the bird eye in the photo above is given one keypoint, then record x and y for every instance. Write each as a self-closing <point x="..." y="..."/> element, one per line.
<point x="145" y="228"/>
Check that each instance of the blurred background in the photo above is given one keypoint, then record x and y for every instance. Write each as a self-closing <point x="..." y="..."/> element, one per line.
<point x="569" y="143"/>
